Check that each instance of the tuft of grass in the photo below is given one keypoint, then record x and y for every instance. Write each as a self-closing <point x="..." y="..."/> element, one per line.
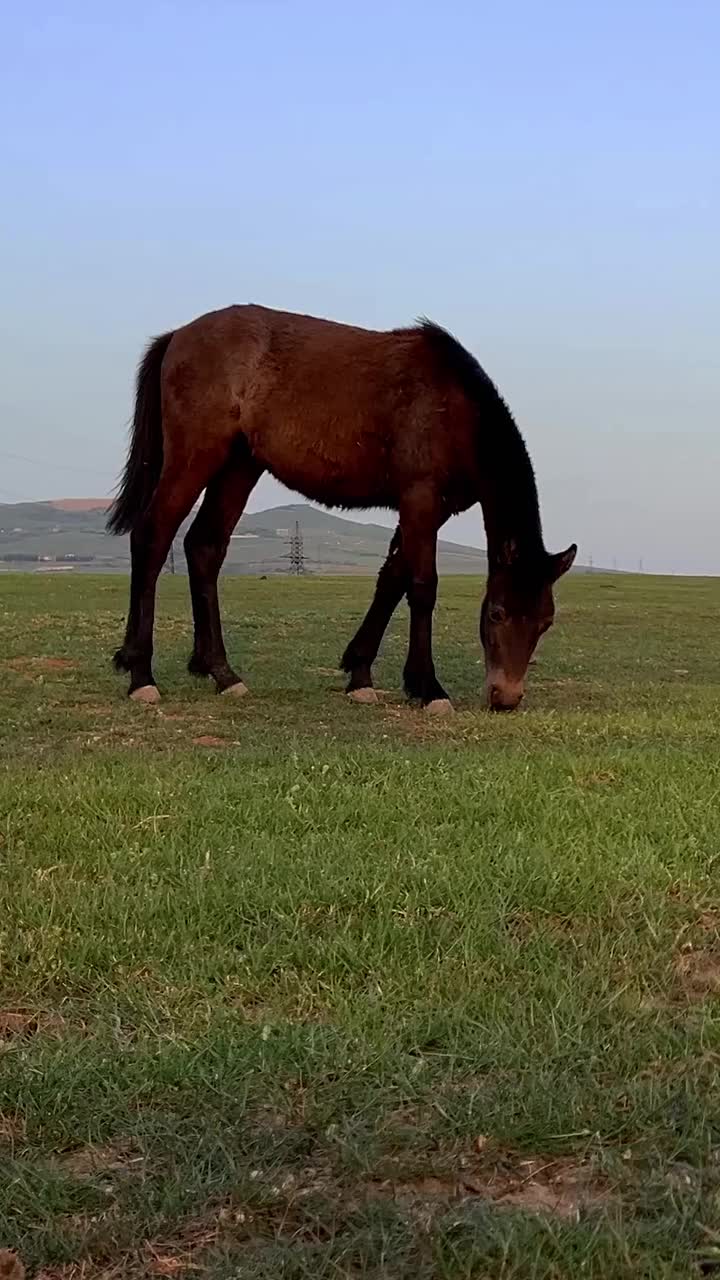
<point x="295" y="987"/>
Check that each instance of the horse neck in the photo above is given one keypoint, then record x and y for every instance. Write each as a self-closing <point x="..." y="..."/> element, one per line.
<point x="508" y="496"/>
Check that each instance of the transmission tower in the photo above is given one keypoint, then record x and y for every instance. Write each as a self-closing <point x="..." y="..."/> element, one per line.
<point x="297" y="556"/>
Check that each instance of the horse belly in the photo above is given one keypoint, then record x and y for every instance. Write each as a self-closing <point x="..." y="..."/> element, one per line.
<point x="327" y="464"/>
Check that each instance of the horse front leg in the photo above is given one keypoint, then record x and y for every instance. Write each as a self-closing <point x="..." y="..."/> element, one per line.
<point x="419" y="523"/>
<point x="362" y="650"/>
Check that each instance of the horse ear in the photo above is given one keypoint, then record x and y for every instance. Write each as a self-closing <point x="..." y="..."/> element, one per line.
<point x="561" y="562"/>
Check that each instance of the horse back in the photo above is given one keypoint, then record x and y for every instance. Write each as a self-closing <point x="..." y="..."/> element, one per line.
<point x="337" y="412"/>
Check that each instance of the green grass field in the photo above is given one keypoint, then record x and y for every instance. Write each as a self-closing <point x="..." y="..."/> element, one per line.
<point x="296" y="988"/>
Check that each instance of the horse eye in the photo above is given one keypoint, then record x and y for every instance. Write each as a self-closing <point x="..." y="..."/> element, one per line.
<point x="496" y="613"/>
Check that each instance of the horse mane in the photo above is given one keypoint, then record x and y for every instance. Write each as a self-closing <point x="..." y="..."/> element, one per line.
<point x="499" y="440"/>
<point x="463" y="368"/>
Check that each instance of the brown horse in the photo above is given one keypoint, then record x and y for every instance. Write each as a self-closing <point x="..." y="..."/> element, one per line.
<point x="350" y="418"/>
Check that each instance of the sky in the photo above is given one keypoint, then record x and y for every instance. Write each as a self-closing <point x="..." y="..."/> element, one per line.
<point x="543" y="178"/>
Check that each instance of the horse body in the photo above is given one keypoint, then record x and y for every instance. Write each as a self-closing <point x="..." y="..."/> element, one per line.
<point x="347" y="417"/>
<point x="350" y="418"/>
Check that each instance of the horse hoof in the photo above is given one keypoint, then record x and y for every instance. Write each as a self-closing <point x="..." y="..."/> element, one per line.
<point x="235" y="690"/>
<point x="366" y="695"/>
<point x="440" y="707"/>
<point x="148" y="693"/>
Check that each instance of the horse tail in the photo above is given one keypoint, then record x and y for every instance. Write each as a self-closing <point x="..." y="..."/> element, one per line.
<point x="145" y="456"/>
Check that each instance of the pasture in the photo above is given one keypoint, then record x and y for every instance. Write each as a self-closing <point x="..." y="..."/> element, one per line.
<point x="294" y="987"/>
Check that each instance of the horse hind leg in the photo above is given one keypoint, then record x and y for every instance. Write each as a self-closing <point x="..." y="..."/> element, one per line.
<point x="206" y="545"/>
<point x="150" y="540"/>
<point x="362" y="650"/>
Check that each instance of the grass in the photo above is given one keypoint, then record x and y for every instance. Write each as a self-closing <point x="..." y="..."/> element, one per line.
<point x="291" y="987"/>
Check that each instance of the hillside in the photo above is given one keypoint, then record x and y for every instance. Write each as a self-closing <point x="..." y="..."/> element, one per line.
<point x="69" y="535"/>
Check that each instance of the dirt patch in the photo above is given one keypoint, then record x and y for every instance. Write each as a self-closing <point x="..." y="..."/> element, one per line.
<point x="178" y="1257"/>
<point x="698" y="973"/>
<point x="162" y="1260"/>
<point x="709" y="921"/>
<point x="22" y="1022"/>
<point x="596" y="778"/>
<point x="696" y="949"/>
<point x="181" y="1257"/>
<point x="563" y="1188"/>
<point x="522" y="925"/>
<point x="209" y="740"/>
<point x="38" y="666"/>
<point x="112" y="1157"/>
<point x="11" y="1268"/>
<point x="12" y="1128"/>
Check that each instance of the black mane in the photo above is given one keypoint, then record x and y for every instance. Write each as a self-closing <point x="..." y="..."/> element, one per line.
<point x="501" y="446"/>
<point x="460" y="363"/>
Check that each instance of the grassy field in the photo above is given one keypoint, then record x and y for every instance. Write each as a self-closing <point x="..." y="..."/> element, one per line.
<point x="296" y="988"/>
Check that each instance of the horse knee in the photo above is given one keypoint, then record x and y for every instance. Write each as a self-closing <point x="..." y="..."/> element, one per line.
<point x="199" y="553"/>
<point x="190" y="545"/>
<point x="422" y="594"/>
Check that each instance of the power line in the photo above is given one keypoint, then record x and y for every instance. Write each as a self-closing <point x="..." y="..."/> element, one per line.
<point x="53" y="466"/>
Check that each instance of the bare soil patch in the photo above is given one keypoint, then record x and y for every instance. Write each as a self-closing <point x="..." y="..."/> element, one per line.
<point x="11" y="1268"/>
<point x="38" y="666"/>
<point x="698" y="973"/>
<point x="12" y="1128"/>
<point x="112" y="1157"/>
<point x="562" y="1188"/>
<point x="24" y="1022"/>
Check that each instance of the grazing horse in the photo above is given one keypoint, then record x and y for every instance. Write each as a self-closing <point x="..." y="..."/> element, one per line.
<point x="351" y="418"/>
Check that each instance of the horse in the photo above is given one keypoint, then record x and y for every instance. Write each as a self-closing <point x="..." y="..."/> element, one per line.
<point x="354" y="418"/>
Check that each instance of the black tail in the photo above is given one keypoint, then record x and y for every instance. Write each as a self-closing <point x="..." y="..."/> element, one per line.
<point x="145" y="458"/>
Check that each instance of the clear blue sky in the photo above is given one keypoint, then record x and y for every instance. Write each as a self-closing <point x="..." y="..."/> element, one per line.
<point x="543" y="178"/>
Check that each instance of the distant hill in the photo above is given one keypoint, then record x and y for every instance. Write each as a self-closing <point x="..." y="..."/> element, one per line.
<point x="79" y="504"/>
<point x="69" y="534"/>
<point x="336" y="544"/>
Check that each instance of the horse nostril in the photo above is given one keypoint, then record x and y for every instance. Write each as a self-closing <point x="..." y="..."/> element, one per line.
<point x="501" y="700"/>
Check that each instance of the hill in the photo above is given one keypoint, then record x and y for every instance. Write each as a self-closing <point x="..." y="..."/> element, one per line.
<point x="69" y="534"/>
<point x="79" y="504"/>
